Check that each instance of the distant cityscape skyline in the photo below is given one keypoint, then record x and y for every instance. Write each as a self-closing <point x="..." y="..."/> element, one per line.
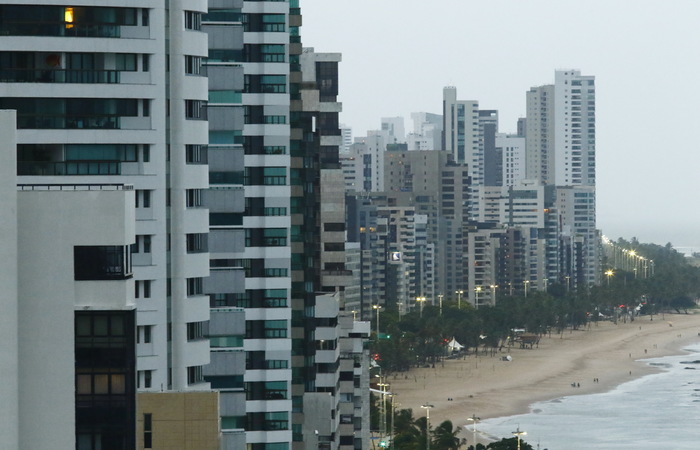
<point x="631" y="51"/>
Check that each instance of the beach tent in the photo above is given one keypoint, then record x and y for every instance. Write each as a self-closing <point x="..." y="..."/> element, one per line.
<point x="454" y="345"/>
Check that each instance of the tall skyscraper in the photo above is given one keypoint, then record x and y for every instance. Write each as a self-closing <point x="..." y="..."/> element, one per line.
<point x="560" y="142"/>
<point x="561" y="130"/>
<point x="469" y="135"/>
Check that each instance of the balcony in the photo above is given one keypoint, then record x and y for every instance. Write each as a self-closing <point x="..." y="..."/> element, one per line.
<point x="68" y="122"/>
<point x="59" y="76"/>
<point x="69" y="168"/>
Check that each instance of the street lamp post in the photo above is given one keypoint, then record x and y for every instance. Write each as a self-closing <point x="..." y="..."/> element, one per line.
<point x="393" y="414"/>
<point x="493" y="294"/>
<point x="474" y="419"/>
<point x="567" y="282"/>
<point x="609" y="273"/>
<point x="517" y="434"/>
<point x="459" y="298"/>
<point x="527" y="282"/>
<point x="545" y="280"/>
<point x="422" y="301"/>
<point x="440" y="297"/>
<point x="427" y="425"/>
<point x="382" y="425"/>
<point x="477" y="291"/>
<point x="377" y="307"/>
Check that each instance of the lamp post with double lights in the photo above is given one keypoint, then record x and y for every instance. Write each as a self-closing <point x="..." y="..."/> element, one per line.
<point x="474" y="419"/>
<point x="377" y="307"/>
<point x="382" y="425"/>
<point x="517" y="433"/>
<point x="422" y="301"/>
<point x="609" y="273"/>
<point x="427" y="407"/>
<point x="459" y="298"/>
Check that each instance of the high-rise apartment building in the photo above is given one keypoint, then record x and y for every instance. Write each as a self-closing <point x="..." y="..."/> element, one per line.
<point x="469" y="135"/>
<point x="104" y="94"/>
<point x="513" y="154"/>
<point x="68" y="359"/>
<point x="560" y="140"/>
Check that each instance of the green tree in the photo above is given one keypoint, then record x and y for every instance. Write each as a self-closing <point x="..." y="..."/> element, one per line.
<point x="509" y="444"/>
<point x="445" y="437"/>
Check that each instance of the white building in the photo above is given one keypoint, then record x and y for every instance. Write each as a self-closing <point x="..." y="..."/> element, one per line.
<point x="108" y="93"/>
<point x="560" y="137"/>
<point x="427" y="128"/>
<point x="68" y="359"/>
<point x="346" y="135"/>
<point x="513" y="153"/>
<point x="395" y="130"/>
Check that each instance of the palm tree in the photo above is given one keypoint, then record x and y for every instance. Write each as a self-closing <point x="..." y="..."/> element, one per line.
<point x="445" y="437"/>
<point x="406" y="436"/>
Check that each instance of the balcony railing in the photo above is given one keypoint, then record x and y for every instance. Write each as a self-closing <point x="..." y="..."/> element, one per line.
<point x="59" y="76"/>
<point x="60" y="29"/>
<point x="72" y="122"/>
<point x="69" y="168"/>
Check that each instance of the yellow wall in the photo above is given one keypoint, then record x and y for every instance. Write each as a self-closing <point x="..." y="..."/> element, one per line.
<point x="180" y="420"/>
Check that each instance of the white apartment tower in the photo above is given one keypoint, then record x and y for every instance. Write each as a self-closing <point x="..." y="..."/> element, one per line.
<point x="68" y="323"/>
<point x="560" y="130"/>
<point x="560" y="140"/>
<point x="110" y="93"/>
<point x="514" y="158"/>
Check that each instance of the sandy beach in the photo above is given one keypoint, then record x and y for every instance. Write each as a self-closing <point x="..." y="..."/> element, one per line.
<point x="489" y="387"/>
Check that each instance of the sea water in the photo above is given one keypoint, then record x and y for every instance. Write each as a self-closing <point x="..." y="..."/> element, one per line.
<point x="657" y="411"/>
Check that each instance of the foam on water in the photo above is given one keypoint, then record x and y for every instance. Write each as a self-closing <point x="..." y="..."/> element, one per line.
<point x="653" y="412"/>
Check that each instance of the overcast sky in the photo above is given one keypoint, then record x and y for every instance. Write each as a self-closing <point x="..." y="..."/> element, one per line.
<point x="645" y="55"/>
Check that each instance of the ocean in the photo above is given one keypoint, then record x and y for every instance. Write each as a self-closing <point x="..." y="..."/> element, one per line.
<point x="657" y="411"/>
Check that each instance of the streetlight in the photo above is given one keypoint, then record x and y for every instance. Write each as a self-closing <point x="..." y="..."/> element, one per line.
<point x="459" y="298"/>
<point x="440" y="297"/>
<point x="382" y="424"/>
<point x="519" y="433"/>
<point x="493" y="293"/>
<point x="609" y="273"/>
<point x="474" y="419"/>
<point x="427" y="425"/>
<point x="377" y="307"/>
<point x="354" y="315"/>
<point x="567" y="282"/>
<point x="527" y="282"/>
<point x="393" y="414"/>
<point x="422" y="302"/>
<point x="545" y="280"/>
<point x="477" y="290"/>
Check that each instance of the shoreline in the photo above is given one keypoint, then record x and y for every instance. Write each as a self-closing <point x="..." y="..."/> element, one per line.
<point x="488" y="387"/>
